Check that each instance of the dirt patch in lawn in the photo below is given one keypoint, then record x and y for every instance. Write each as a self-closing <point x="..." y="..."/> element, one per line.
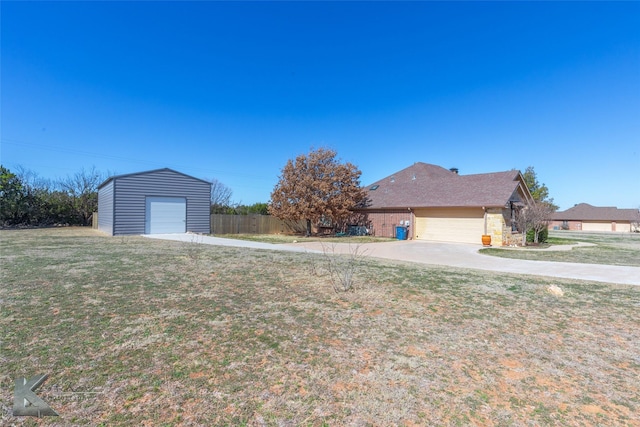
<point x="145" y="332"/>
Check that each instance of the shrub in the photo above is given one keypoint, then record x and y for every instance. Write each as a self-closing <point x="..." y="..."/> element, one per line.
<point x="341" y="269"/>
<point x="542" y="236"/>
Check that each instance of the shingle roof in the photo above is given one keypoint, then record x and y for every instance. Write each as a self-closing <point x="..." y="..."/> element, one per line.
<point x="587" y="212"/>
<point x="426" y="185"/>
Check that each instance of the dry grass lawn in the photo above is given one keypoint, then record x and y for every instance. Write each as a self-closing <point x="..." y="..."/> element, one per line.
<point x="145" y="332"/>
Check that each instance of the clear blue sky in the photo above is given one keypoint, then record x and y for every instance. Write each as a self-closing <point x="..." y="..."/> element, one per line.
<point x="233" y="90"/>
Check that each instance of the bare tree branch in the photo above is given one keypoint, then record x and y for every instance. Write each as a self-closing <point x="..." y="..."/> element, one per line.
<point x="220" y="196"/>
<point x="535" y="216"/>
<point x="82" y="189"/>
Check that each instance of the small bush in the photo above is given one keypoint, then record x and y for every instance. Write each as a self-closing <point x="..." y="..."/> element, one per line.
<point x="342" y="268"/>
<point x="542" y="236"/>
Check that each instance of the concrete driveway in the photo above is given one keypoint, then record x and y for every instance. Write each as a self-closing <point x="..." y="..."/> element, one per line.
<point x="449" y="254"/>
<point x="467" y="256"/>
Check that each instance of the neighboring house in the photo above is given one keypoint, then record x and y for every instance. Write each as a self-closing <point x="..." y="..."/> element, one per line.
<point x="585" y="217"/>
<point x="153" y="202"/>
<point x="440" y="205"/>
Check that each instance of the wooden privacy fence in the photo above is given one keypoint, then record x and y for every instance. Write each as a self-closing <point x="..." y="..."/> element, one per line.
<point x="245" y="224"/>
<point x="253" y="224"/>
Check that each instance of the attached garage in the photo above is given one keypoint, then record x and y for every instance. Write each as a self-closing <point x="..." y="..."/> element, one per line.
<point x="460" y="225"/>
<point x="622" y="227"/>
<point x="596" y="226"/>
<point x="154" y="202"/>
<point x="441" y="205"/>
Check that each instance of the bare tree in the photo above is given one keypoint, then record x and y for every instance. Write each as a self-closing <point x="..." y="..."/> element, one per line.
<point x="220" y="196"/>
<point x="82" y="189"/>
<point x="535" y="216"/>
<point x="317" y="186"/>
<point x="31" y="180"/>
<point x="635" y="222"/>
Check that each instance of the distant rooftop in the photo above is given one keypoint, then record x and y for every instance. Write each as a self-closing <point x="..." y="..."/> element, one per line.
<point x="585" y="211"/>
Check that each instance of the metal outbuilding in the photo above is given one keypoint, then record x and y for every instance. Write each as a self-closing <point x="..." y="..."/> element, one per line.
<point x="154" y="202"/>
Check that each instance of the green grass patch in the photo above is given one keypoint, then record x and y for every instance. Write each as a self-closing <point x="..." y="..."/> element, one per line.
<point x="610" y="249"/>
<point x="608" y="255"/>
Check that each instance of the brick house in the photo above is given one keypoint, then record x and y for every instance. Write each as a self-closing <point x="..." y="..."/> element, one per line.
<point x="585" y="217"/>
<point x="438" y="204"/>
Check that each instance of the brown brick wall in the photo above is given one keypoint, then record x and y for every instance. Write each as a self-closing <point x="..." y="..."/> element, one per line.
<point x="573" y="225"/>
<point x="383" y="223"/>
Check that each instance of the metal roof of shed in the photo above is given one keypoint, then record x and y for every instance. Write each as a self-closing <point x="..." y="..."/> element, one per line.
<point x="111" y="178"/>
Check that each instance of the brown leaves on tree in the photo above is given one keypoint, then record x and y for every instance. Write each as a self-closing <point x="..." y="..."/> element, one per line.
<point x="317" y="186"/>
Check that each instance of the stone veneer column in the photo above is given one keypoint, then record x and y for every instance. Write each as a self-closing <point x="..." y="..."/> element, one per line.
<point x="495" y="226"/>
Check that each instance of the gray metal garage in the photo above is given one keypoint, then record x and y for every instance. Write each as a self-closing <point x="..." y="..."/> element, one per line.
<point x="154" y="202"/>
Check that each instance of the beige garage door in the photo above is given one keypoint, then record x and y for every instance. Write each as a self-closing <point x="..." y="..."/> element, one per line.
<point x="596" y="226"/>
<point x="450" y="225"/>
<point x="623" y="227"/>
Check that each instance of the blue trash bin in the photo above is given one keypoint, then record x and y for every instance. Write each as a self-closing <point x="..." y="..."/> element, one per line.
<point x="401" y="232"/>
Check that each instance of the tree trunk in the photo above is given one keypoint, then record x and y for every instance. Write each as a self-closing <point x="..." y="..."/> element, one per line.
<point x="308" y="228"/>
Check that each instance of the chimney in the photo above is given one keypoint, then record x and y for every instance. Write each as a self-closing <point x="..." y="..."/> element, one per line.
<point x="454" y="170"/>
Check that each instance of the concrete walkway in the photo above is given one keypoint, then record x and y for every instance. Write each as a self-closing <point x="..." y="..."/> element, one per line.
<point x="434" y="253"/>
<point x="219" y="241"/>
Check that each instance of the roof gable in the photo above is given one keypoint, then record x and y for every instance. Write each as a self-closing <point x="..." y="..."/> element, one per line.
<point x="426" y="185"/>
<point x="116" y="177"/>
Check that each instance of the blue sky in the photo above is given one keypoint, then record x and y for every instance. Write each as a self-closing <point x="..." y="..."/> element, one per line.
<point x="233" y="90"/>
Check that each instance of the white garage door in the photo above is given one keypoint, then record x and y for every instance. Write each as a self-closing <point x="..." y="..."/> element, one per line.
<point x="166" y="215"/>
<point x="596" y="226"/>
<point x="624" y="227"/>
<point x="450" y="225"/>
